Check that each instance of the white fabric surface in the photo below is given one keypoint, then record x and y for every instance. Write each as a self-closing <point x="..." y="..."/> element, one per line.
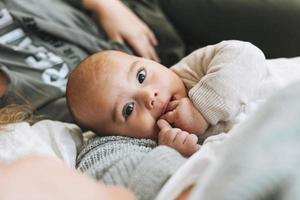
<point x="46" y="137"/>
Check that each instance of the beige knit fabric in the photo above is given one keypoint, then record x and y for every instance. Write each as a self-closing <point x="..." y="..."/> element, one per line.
<point x="221" y="79"/>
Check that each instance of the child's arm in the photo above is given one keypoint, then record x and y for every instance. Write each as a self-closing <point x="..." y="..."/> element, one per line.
<point x="184" y="142"/>
<point x="222" y="78"/>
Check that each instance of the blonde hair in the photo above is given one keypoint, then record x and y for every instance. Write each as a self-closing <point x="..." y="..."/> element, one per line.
<point x="15" y="113"/>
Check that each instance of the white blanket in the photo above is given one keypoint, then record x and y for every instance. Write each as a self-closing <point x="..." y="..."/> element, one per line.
<point x="46" y="137"/>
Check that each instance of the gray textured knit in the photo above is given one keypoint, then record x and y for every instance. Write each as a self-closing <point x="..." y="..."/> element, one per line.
<point x="137" y="164"/>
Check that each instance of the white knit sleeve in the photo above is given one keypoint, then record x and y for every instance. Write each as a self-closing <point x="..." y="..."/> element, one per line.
<point x="223" y="77"/>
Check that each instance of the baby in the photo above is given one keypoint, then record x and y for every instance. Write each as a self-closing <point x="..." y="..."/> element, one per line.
<point x="113" y="93"/>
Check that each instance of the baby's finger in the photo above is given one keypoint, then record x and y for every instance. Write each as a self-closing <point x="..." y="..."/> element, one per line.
<point x="172" y="105"/>
<point x="194" y="149"/>
<point x="197" y="147"/>
<point x="169" y="117"/>
<point x="191" y="140"/>
<point x="180" y="138"/>
<point x="191" y="150"/>
<point x="167" y="135"/>
<point x="162" y="137"/>
<point x="163" y="124"/>
<point x="171" y="135"/>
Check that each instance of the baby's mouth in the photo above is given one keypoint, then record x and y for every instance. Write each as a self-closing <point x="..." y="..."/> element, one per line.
<point x="164" y="107"/>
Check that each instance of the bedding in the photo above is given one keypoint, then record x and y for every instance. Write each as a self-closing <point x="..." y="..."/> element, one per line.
<point x="52" y="138"/>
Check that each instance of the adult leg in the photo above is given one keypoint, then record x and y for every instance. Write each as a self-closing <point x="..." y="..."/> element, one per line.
<point x="272" y="25"/>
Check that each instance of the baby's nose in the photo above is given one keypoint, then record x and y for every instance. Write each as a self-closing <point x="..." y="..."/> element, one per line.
<point x="150" y="98"/>
<point x="153" y="99"/>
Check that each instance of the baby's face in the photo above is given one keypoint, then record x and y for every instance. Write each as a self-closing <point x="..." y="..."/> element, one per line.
<point x="131" y="94"/>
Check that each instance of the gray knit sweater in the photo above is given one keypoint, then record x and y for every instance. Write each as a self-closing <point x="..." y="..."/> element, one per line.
<point x="137" y="164"/>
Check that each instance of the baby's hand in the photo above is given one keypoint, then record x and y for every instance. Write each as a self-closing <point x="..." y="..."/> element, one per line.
<point x="184" y="142"/>
<point x="183" y="114"/>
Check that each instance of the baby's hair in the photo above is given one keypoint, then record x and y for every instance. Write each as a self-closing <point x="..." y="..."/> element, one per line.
<point x="74" y="89"/>
<point x="79" y="87"/>
<point x="68" y="93"/>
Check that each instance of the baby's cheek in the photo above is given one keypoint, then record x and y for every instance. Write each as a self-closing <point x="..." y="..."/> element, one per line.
<point x="148" y="128"/>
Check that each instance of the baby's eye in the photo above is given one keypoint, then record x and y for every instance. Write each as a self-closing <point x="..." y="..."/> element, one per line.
<point x="127" y="110"/>
<point x="141" y="75"/>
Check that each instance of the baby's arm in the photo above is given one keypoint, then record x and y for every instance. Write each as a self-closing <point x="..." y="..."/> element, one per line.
<point x="184" y="142"/>
<point x="222" y="78"/>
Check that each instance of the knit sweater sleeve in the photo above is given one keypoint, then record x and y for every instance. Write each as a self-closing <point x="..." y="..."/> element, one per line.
<point x="137" y="164"/>
<point x="222" y="78"/>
